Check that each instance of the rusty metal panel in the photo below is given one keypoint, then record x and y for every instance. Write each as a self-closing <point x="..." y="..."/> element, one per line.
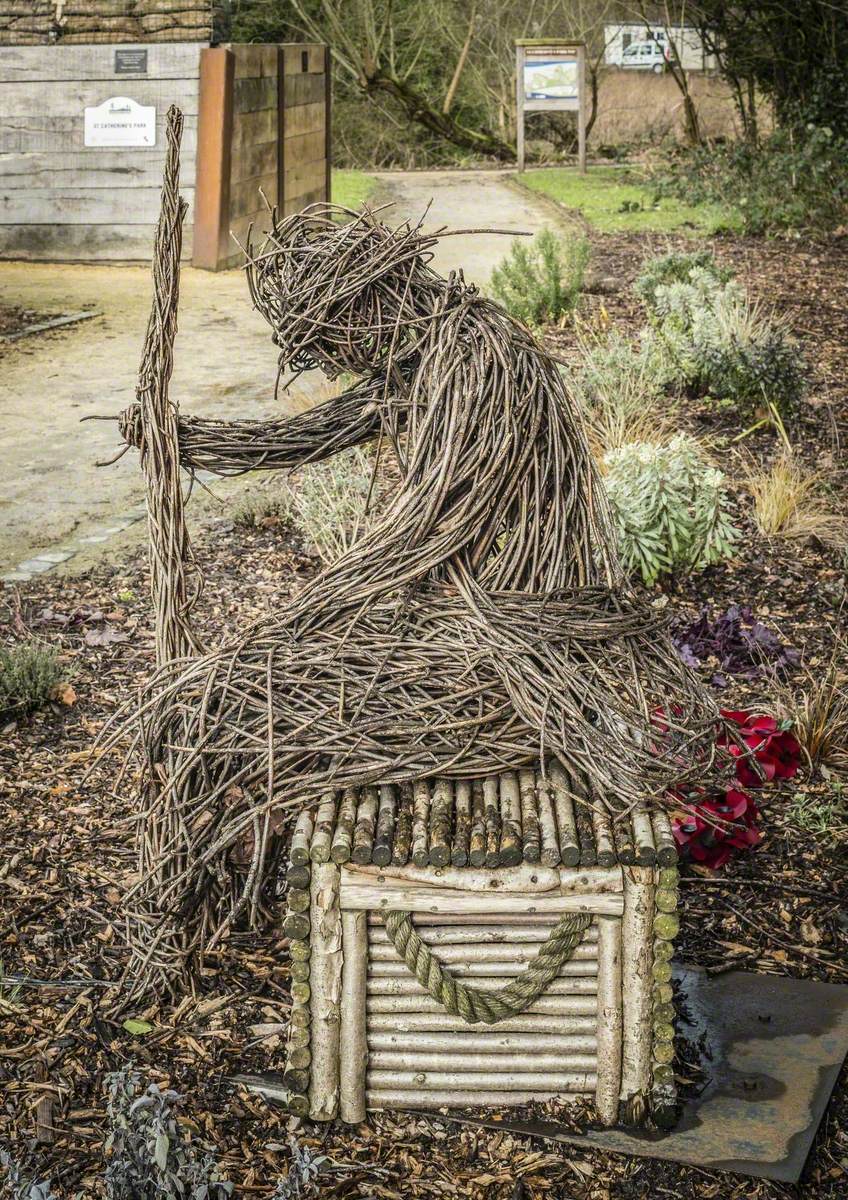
<point x="214" y="143"/>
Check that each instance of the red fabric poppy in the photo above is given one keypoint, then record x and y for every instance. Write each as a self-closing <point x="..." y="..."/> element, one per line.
<point x="775" y="750"/>
<point x="710" y="830"/>
<point x="709" y="826"/>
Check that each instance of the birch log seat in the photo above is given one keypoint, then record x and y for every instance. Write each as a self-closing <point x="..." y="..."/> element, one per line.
<point x="494" y="941"/>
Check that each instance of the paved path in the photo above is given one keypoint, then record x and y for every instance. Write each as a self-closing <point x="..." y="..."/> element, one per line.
<point x="50" y="491"/>
<point x="466" y="200"/>
<point x="52" y="497"/>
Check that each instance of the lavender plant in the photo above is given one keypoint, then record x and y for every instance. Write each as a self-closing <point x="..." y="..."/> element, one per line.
<point x="29" y="671"/>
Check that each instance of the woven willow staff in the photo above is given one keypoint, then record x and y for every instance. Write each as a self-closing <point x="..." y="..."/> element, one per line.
<point x="174" y="579"/>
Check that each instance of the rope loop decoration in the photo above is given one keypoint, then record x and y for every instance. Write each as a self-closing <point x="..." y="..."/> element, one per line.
<point x="475" y="1005"/>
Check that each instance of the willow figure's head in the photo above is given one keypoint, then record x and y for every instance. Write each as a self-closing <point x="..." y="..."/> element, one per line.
<point x="341" y="290"/>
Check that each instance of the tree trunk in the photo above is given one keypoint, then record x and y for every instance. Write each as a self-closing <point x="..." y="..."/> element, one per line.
<point x="693" y="128"/>
<point x="443" y="125"/>
<point x="450" y="95"/>
<point x="593" y="98"/>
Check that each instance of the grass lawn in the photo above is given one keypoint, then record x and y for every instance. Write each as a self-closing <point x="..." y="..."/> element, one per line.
<point x="614" y="203"/>
<point x="352" y="188"/>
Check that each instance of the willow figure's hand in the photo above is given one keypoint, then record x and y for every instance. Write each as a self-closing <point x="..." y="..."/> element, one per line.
<point x="129" y="425"/>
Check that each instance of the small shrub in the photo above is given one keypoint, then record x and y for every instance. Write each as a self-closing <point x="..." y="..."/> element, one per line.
<point x="261" y="507"/>
<point x="794" y="179"/>
<point x="620" y="389"/>
<point x="820" y="815"/>
<point x="670" y="507"/>
<point x="716" y="341"/>
<point x="541" y="281"/>
<point x="678" y="306"/>
<point x="301" y="1179"/>
<point x="743" y="356"/>
<point x="676" y="268"/>
<point x="148" y="1156"/>
<point x="788" y="502"/>
<point x="29" y="674"/>
<point x="678" y="310"/>
<point x="328" y="502"/>
<point x="17" y="1187"/>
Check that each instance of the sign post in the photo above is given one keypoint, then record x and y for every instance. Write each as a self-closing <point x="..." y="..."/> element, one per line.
<point x="551" y="77"/>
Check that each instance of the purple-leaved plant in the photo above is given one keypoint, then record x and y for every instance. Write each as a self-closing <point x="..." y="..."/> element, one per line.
<point x="742" y="645"/>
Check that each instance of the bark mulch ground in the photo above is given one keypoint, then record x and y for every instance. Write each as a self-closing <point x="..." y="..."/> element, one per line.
<point x="67" y="857"/>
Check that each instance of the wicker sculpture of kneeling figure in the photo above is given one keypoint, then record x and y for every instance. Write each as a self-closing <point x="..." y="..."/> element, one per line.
<point x="479" y="628"/>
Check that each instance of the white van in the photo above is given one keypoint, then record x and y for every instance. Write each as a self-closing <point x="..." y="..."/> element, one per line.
<point x="645" y="56"/>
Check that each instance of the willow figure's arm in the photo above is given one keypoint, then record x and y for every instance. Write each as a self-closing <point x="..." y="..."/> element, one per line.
<point x="233" y="447"/>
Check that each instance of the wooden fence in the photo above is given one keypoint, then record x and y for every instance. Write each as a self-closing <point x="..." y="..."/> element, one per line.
<point x="39" y="22"/>
<point x="62" y="199"/>
<point x="256" y="117"/>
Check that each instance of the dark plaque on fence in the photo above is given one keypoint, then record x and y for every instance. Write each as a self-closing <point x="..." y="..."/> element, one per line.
<point x="131" y="62"/>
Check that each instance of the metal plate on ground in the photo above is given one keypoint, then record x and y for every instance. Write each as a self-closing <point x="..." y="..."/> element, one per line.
<point x="775" y="1047"/>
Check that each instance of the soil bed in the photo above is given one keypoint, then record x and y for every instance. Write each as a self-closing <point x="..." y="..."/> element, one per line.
<point x="68" y="857"/>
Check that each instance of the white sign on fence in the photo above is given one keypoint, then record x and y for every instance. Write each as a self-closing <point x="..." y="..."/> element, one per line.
<point x="119" y="121"/>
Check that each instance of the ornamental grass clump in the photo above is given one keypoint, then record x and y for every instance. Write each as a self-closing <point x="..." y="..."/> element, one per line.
<point x="818" y="712"/>
<point x="670" y="508"/>
<point x="789" y="502"/>
<point x="540" y="282"/>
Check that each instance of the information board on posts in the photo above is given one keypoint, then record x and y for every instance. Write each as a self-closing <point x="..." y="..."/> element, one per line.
<point x="550" y="77"/>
